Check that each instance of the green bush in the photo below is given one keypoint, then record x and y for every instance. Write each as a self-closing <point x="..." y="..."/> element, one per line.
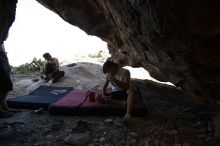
<point x="36" y="65"/>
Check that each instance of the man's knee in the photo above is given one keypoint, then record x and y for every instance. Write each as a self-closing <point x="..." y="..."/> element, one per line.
<point x="59" y="74"/>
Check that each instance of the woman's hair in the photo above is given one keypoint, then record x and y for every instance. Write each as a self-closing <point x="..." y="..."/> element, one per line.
<point x="108" y="65"/>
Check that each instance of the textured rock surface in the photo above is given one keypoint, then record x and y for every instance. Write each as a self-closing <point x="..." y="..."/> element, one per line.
<point x="175" y="40"/>
<point x="7" y="17"/>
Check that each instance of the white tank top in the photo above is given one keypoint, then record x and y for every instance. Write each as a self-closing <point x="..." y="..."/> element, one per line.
<point x="119" y="76"/>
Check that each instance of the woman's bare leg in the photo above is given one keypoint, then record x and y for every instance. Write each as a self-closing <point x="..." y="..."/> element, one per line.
<point x="3" y="113"/>
<point x="108" y="100"/>
<point x="132" y="97"/>
<point x="3" y="96"/>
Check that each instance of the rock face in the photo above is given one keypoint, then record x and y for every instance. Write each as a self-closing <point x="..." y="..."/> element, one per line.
<point x="7" y="17"/>
<point x="175" y="40"/>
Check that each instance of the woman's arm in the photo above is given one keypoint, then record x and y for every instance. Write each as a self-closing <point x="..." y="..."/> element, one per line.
<point x="104" y="89"/>
<point x="125" y="84"/>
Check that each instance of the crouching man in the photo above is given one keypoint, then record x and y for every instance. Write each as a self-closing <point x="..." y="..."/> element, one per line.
<point x="51" y="69"/>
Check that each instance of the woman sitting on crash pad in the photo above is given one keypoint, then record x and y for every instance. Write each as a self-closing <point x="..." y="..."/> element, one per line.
<point x="121" y="91"/>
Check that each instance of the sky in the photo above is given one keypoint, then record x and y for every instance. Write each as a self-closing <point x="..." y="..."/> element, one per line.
<point x="37" y="30"/>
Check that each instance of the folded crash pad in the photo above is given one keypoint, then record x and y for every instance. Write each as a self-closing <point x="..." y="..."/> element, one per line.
<point x="39" y="98"/>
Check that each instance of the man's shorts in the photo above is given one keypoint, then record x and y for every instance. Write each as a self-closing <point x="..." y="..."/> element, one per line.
<point x="119" y="95"/>
<point x="5" y="80"/>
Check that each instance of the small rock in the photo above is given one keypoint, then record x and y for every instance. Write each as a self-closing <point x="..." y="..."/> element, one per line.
<point x="104" y="133"/>
<point x="107" y="144"/>
<point x="43" y="144"/>
<point x="133" y="141"/>
<point x="186" y="144"/>
<point x="102" y="139"/>
<point x="128" y="138"/>
<point x="133" y="134"/>
<point x="81" y="127"/>
<point x="146" y="143"/>
<point x="96" y="140"/>
<point x="46" y="130"/>
<point x="108" y="120"/>
<point x="102" y="127"/>
<point x="93" y="144"/>
<point x="78" y="139"/>
<point x="49" y="137"/>
<point x="39" y="111"/>
<point x="156" y="142"/>
<point x="57" y="125"/>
